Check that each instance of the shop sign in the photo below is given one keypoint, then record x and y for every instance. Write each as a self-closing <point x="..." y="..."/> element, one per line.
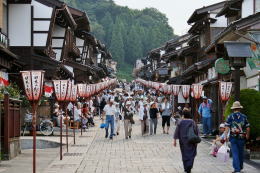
<point x="222" y="66"/>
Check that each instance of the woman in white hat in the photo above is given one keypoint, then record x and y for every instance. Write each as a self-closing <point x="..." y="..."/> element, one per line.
<point x="238" y="125"/>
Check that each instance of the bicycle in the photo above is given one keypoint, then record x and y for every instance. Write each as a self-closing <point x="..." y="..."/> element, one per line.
<point x="46" y="126"/>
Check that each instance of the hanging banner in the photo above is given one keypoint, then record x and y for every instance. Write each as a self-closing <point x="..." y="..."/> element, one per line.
<point x="185" y="91"/>
<point x="197" y="90"/>
<point x="175" y="90"/>
<point x="68" y="95"/>
<point x="27" y="81"/>
<point x="80" y="90"/>
<point x="225" y="90"/>
<point x="33" y="82"/>
<point x="63" y="89"/>
<point x="73" y="97"/>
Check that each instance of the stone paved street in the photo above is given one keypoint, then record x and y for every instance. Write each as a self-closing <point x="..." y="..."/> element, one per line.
<point x="95" y="154"/>
<point x="146" y="154"/>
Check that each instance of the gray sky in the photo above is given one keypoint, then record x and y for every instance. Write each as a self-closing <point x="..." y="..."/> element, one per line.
<point x="177" y="11"/>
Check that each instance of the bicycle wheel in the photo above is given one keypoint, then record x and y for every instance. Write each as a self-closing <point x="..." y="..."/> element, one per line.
<point x="46" y="127"/>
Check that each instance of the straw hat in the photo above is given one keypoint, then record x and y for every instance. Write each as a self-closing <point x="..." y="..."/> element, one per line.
<point x="236" y="105"/>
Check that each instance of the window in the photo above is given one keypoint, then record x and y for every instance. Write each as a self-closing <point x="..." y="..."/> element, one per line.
<point x="4" y="24"/>
<point x="257" y="6"/>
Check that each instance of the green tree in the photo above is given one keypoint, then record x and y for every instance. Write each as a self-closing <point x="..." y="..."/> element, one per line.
<point x="108" y="23"/>
<point x="117" y="44"/>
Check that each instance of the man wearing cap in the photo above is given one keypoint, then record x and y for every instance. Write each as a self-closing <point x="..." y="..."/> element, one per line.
<point x="238" y="125"/>
<point x="128" y="115"/>
<point x="205" y="112"/>
<point x="110" y="111"/>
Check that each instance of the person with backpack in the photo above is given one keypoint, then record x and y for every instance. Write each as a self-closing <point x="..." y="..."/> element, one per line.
<point x="187" y="132"/>
<point x="239" y="128"/>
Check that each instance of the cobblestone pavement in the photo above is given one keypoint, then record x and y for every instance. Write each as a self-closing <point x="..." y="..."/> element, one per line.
<point x="153" y="154"/>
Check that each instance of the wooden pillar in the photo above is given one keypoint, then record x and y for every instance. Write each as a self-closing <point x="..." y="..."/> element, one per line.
<point x="1" y="14"/>
<point x="6" y="126"/>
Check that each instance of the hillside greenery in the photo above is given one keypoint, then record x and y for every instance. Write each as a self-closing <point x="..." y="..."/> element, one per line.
<point x="129" y="34"/>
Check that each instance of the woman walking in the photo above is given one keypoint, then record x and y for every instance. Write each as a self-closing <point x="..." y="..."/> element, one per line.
<point x="154" y="113"/>
<point x="143" y="117"/>
<point x="166" y="111"/>
<point x="188" y="150"/>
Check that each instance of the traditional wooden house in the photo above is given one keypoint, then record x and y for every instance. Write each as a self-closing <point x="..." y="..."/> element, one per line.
<point x="177" y="57"/>
<point x="39" y="31"/>
<point x="159" y="68"/>
<point x="243" y="25"/>
<point x="205" y="26"/>
<point x="8" y="60"/>
<point x="55" y="38"/>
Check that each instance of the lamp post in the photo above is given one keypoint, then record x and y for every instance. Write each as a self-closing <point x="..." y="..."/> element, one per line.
<point x="73" y="99"/>
<point x="237" y="52"/>
<point x="60" y="89"/>
<point x="33" y="85"/>
<point x="67" y="98"/>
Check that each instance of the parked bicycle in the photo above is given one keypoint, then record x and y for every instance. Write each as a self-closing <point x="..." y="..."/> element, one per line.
<point x="45" y="127"/>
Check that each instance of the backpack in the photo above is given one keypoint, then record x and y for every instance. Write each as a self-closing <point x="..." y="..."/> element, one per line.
<point x="192" y="137"/>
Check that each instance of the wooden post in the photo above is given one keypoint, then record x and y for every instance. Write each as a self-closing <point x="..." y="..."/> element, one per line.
<point x="61" y="137"/>
<point x="74" y="136"/>
<point x="6" y="126"/>
<point x="67" y="123"/>
<point x="34" y="105"/>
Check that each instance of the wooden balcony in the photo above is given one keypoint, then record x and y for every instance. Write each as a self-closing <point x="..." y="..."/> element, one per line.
<point x="4" y="41"/>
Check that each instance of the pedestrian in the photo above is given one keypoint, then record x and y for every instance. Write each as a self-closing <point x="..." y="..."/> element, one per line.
<point x="188" y="150"/>
<point x="154" y="114"/>
<point x="118" y="117"/>
<point x="143" y="117"/>
<point x="205" y="113"/>
<point x="77" y="114"/>
<point x="239" y="128"/>
<point x="166" y="111"/>
<point x="109" y="112"/>
<point x="128" y="115"/>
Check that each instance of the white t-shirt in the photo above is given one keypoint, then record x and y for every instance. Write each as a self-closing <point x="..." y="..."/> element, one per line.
<point x="110" y="110"/>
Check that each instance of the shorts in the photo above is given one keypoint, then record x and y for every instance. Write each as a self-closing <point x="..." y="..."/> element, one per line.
<point x="166" y="119"/>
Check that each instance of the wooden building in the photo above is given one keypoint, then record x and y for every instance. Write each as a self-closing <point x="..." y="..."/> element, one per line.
<point x="55" y="38"/>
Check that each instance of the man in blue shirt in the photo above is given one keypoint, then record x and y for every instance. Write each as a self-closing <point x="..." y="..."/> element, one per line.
<point x="205" y="112"/>
<point x="238" y="126"/>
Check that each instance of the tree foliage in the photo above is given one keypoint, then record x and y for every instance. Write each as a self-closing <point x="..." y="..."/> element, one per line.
<point x="250" y="100"/>
<point x="129" y="34"/>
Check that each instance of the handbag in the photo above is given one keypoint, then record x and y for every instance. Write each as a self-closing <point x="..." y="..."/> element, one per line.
<point x="103" y="125"/>
<point x="223" y="153"/>
<point x="192" y="137"/>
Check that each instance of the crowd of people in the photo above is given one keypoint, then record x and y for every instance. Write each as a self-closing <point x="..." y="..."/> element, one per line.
<point x="131" y="102"/>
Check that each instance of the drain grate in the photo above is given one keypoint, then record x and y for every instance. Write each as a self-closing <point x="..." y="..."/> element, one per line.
<point x="82" y="145"/>
<point x="85" y="136"/>
<point x="73" y="154"/>
<point x="64" y="166"/>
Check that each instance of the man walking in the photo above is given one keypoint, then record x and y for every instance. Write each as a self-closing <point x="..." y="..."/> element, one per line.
<point x="109" y="112"/>
<point x="128" y="115"/>
<point x="205" y="112"/>
<point x="239" y="131"/>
